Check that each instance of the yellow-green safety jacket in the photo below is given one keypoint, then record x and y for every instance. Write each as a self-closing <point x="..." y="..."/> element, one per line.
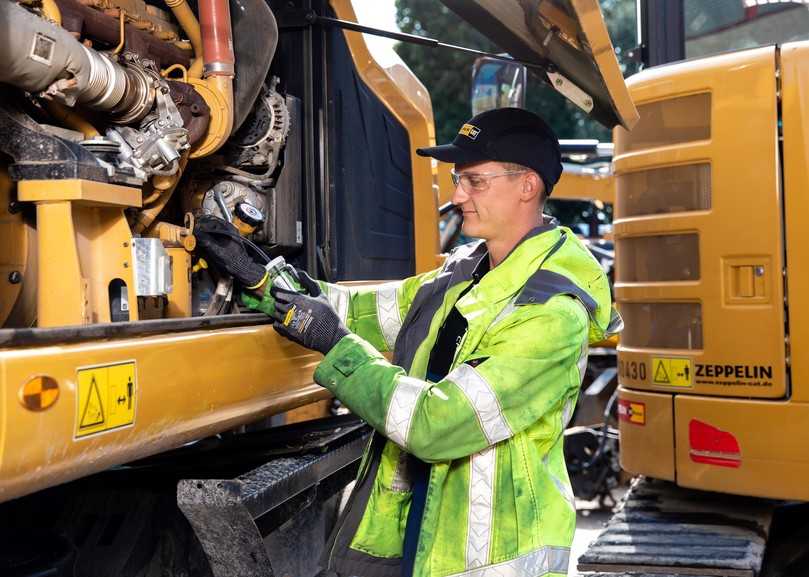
<point x="499" y="502"/>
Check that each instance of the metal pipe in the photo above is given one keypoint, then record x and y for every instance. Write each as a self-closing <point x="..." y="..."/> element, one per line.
<point x="185" y="16"/>
<point x="145" y="218"/>
<point x="41" y="57"/>
<point x="217" y="38"/>
<point x="218" y="70"/>
<point x="71" y="119"/>
<point x="51" y="11"/>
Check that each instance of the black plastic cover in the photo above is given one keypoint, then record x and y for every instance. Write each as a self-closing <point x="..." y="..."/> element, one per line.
<point x="372" y="202"/>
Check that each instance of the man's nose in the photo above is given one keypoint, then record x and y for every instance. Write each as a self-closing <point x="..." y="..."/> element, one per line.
<point x="459" y="196"/>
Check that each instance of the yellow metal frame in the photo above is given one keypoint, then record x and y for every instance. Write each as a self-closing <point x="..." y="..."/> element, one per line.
<point x="17" y="255"/>
<point x="409" y="102"/>
<point x="773" y="459"/>
<point x="794" y="94"/>
<point x="582" y="187"/>
<point x="592" y="22"/>
<point x="647" y="444"/>
<point x="84" y="242"/>
<point x="188" y="385"/>
<point x="742" y="223"/>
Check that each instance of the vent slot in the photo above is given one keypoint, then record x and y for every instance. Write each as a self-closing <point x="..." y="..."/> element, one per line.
<point x="660" y="258"/>
<point x="666" y="122"/>
<point x="663" y="190"/>
<point x="662" y="325"/>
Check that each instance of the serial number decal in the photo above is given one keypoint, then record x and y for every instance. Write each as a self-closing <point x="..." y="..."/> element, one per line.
<point x="106" y="398"/>
<point x="635" y="370"/>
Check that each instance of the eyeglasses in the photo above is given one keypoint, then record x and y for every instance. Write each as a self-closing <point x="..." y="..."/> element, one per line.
<point x="478" y="181"/>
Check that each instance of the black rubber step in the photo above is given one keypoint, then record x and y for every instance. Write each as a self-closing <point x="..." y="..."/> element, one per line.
<point x="665" y="530"/>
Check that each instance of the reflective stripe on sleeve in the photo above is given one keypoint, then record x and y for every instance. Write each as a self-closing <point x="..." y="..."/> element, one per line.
<point x="481" y="508"/>
<point x="483" y="399"/>
<point x="387" y="311"/>
<point x="339" y="297"/>
<point x="534" y="564"/>
<point x="582" y="362"/>
<point x="401" y="408"/>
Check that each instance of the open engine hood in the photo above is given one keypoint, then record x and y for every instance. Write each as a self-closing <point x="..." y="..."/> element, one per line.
<point x="566" y="37"/>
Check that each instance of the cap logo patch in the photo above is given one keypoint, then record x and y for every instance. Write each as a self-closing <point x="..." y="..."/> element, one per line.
<point x="469" y="131"/>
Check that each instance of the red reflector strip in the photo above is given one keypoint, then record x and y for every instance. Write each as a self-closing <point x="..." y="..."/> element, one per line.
<point x="733" y="462"/>
<point x="712" y="446"/>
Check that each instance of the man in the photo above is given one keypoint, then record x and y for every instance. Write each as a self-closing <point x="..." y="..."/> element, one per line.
<point x="465" y="474"/>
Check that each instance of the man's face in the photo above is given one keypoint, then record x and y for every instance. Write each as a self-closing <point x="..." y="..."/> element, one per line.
<point x="488" y="213"/>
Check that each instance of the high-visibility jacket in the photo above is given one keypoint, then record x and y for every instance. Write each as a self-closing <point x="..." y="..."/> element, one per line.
<point x="499" y="501"/>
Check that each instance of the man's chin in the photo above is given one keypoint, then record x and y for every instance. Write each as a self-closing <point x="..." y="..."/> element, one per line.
<point x="470" y="230"/>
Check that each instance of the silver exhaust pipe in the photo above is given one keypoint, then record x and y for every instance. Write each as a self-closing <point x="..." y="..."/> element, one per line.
<point x="47" y="60"/>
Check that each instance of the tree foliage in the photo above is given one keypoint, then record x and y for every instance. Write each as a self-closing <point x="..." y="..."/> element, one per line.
<point x="447" y="73"/>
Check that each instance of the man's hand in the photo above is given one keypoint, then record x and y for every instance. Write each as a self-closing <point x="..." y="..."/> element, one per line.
<point x="266" y="304"/>
<point x="307" y="320"/>
<point x="223" y="246"/>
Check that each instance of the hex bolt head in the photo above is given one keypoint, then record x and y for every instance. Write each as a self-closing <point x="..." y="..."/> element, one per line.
<point x="15" y="277"/>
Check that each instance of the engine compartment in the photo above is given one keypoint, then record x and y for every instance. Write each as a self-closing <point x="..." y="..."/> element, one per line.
<point x="120" y="123"/>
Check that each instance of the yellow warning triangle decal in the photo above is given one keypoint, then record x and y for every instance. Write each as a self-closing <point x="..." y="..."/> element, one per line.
<point x="93" y="413"/>
<point x="661" y="376"/>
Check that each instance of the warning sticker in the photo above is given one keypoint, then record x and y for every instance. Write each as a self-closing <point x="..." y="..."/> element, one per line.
<point x="632" y="412"/>
<point x="106" y="398"/>
<point x="674" y="372"/>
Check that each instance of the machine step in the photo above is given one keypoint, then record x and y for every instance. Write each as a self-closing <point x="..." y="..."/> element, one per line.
<point x="662" y="529"/>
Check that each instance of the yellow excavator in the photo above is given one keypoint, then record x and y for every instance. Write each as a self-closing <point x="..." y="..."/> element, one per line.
<point x="145" y="424"/>
<point x="712" y="283"/>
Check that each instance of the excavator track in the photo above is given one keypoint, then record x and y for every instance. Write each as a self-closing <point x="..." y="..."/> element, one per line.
<point x="665" y="530"/>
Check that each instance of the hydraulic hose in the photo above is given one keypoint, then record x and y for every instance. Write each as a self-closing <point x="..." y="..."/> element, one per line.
<point x="218" y="72"/>
<point x="51" y="11"/>
<point x="187" y="19"/>
<point x="71" y="119"/>
<point x="39" y="56"/>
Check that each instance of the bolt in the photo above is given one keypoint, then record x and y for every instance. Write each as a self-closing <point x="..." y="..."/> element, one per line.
<point x="15" y="277"/>
<point x="164" y="89"/>
<point x="14" y="207"/>
<point x="558" y="81"/>
<point x="126" y="244"/>
<point x="126" y="264"/>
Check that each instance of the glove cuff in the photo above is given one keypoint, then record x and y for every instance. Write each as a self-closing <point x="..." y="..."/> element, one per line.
<point x="261" y="282"/>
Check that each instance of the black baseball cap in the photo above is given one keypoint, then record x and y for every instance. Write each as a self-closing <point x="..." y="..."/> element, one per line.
<point x="505" y="135"/>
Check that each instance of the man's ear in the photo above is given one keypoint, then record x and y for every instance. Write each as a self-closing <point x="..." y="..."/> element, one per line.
<point x="532" y="186"/>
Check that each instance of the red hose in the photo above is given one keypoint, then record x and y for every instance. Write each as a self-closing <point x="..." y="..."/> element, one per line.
<point x="217" y="37"/>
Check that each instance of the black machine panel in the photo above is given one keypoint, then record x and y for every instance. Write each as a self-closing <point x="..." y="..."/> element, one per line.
<point x="371" y="203"/>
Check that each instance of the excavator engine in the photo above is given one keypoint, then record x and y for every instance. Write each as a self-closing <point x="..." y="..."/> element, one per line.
<point x="122" y="122"/>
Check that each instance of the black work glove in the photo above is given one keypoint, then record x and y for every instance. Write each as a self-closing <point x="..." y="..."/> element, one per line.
<point x="310" y="321"/>
<point x="223" y="246"/>
<point x="309" y="284"/>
